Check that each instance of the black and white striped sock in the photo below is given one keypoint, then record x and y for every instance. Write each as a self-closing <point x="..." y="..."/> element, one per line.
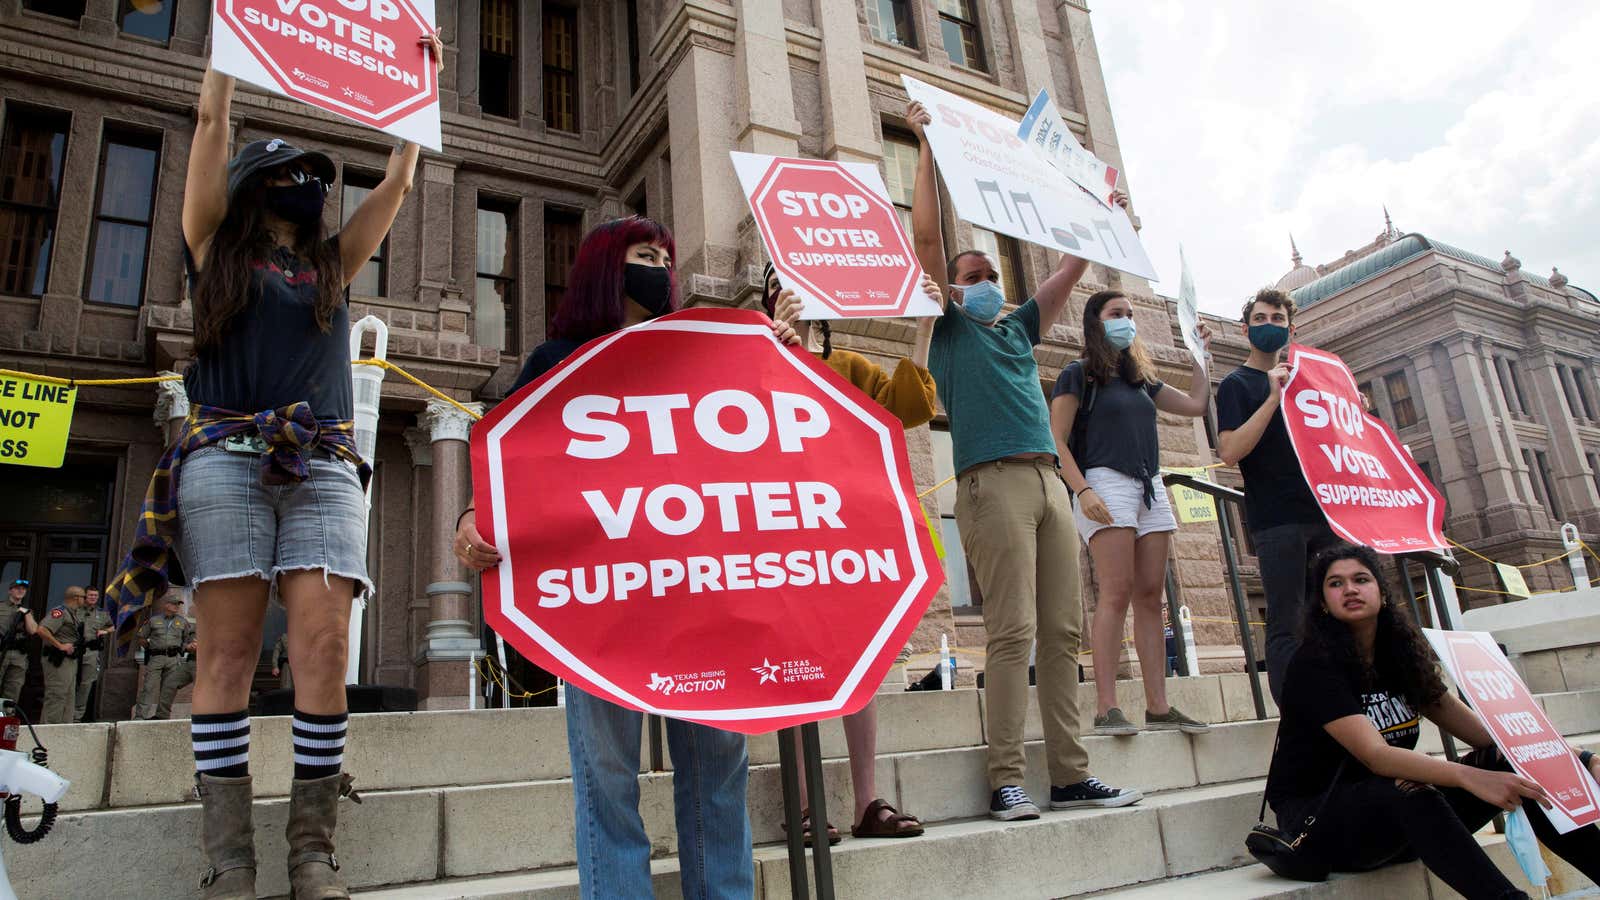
<point x="318" y="744"/>
<point x="221" y="744"/>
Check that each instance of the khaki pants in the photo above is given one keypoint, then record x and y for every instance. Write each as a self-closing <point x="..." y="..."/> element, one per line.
<point x="13" y="673"/>
<point x="159" y="671"/>
<point x="60" y="692"/>
<point x="88" y="674"/>
<point x="180" y="678"/>
<point x="1019" y="537"/>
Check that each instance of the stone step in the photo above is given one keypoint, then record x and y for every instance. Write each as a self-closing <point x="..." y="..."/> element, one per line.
<point x="464" y="827"/>
<point x="130" y="764"/>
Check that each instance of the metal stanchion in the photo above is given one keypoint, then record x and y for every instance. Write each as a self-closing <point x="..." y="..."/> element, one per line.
<point x="821" y="852"/>
<point x="1434" y="564"/>
<point x="789" y="763"/>
<point x="1178" y="642"/>
<point x="655" y="726"/>
<point x="1240" y="609"/>
<point x="789" y="776"/>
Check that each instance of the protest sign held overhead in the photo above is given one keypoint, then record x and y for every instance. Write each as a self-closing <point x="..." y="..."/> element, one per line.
<point x="1189" y="312"/>
<point x="737" y="544"/>
<point x="1043" y="129"/>
<point x="1521" y="730"/>
<point x="1368" y="486"/>
<point x="35" y="417"/>
<point x="833" y="236"/>
<point x="357" y="58"/>
<point x="998" y="182"/>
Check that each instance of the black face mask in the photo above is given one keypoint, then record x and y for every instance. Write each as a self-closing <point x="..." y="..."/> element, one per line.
<point x="298" y="204"/>
<point x="648" y="286"/>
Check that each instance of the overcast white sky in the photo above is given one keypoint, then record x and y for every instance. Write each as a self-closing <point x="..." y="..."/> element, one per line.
<point x="1241" y="121"/>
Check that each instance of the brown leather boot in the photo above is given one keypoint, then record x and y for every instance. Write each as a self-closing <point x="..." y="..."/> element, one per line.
<point x="228" y="837"/>
<point x="313" y="813"/>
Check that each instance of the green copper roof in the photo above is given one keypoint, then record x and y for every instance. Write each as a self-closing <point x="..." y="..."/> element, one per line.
<point x="1394" y="255"/>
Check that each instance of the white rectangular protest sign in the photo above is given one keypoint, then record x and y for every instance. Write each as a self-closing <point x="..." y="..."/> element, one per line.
<point x="360" y="59"/>
<point x="1044" y="130"/>
<point x="1189" y="311"/>
<point x="999" y="183"/>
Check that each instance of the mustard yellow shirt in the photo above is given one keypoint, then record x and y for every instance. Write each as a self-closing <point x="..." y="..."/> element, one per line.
<point x="909" y="394"/>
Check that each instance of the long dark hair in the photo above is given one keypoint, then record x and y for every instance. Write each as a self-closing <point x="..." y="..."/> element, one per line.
<point x="1103" y="362"/>
<point x="226" y="287"/>
<point x="769" y="302"/>
<point x="594" y="303"/>
<point x="1401" y="656"/>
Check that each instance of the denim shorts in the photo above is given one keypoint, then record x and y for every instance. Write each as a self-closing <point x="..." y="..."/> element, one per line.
<point x="1123" y="496"/>
<point x="234" y="526"/>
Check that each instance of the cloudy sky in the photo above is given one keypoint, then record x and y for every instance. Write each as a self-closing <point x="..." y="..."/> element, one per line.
<point x="1477" y="123"/>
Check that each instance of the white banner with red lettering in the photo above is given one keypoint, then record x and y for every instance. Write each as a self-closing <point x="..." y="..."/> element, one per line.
<point x="697" y="522"/>
<point x="1367" y="484"/>
<point x="1520" y="727"/>
<point x="834" y="237"/>
<point x="357" y="58"/>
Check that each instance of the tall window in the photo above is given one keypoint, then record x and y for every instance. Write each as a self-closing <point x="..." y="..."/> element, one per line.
<point x="146" y="18"/>
<point x="497" y="57"/>
<point x="373" y="279"/>
<point x="1365" y="388"/>
<point x="561" y="67"/>
<point x="958" y="575"/>
<point x="1516" y="385"/>
<point x="563" y="229"/>
<point x="1539" y="475"/>
<point x="900" y="173"/>
<point x="890" y="21"/>
<point x="494" y="310"/>
<point x="635" y="52"/>
<point x="958" y="25"/>
<point x="1594" y="470"/>
<point x="1427" y="471"/>
<point x="1007" y="255"/>
<point x="1580" y="381"/>
<point x="128" y="165"/>
<point x="1400" y="403"/>
<point x="32" y="149"/>
<point x="1571" y="378"/>
<point x="66" y="9"/>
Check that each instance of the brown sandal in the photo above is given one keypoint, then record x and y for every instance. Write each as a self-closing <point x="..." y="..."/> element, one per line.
<point x="874" y="824"/>
<point x="805" y="829"/>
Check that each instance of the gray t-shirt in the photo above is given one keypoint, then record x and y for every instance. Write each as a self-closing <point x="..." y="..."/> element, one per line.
<point x="273" y="353"/>
<point x="1119" y="430"/>
<point x="988" y="382"/>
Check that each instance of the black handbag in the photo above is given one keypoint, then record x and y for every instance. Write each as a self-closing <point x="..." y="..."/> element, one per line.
<point x="1280" y="851"/>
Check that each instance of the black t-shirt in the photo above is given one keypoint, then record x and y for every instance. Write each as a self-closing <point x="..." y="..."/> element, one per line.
<point x="544" y="357"/>
<point x="1316" y="691"/>
<point x="1275" y="491"/>
<point x="1119" y="431"/>
<point x="273" y="353"/>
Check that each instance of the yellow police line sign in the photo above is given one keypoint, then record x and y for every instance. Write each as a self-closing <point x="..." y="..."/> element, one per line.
<point x="35" y="417"/>
<point x="1192" y="505"/>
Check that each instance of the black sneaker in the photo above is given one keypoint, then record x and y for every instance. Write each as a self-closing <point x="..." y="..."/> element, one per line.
<point x="1011" y="803"/>
<point x="1092" y="792"/>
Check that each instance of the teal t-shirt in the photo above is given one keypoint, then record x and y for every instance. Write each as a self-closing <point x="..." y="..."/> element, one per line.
<point x="989" y="384"/>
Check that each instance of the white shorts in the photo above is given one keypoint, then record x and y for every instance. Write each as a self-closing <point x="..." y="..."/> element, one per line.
<point x="1123" y="495"/>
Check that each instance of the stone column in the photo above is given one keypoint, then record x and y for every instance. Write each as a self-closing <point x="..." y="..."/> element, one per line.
<point x="1505" y="506"/>
<point x="1452" y="473"/>
<point x="1510" y="400"/>
<point x="1030" y="56"/>
<point x="1575" y="490"/>
<point x="708" y="204"/>
<point x="848" y="130"/>
<point x="171" y="410"/>
<point x="450" y="641"/>
<point x="763" y="98"/>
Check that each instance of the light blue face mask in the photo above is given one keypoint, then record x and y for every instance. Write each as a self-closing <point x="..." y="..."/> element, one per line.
<point x="1120" y="332"/>
<point x="983" y="300"/>
<point x="1525" y="847"/>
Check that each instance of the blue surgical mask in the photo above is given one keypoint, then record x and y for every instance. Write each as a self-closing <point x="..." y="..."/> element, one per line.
<point x="983" y="300"/>
<point x="1120" y="332"/>
<point x="1268" y="338"/>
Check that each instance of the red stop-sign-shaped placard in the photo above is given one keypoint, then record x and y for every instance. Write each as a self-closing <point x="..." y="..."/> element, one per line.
<point x="697" y="522"/>
<point x="1364" y="480"/>
<point x="358" y="58"/>
<point x="834" y="236"/>
<point x="1520" y="727"/>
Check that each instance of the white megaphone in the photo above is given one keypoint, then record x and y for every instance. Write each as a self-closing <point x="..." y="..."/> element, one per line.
<point x="18" y="775"/>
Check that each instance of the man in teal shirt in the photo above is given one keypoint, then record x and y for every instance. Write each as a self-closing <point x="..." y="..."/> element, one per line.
<point x="1012" y="508"/>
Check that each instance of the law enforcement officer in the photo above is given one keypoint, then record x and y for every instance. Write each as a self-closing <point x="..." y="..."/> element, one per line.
<point x="62" y="635"/>
<point x="163" y="637"/>
<point x="16" y="626"/>
<point x="185" y="675"/>
<point x="97" y="625"/>
<point x="280" y="663"/>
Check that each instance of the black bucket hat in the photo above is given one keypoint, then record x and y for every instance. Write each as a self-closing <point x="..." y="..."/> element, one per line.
<point x="260" y="156"/>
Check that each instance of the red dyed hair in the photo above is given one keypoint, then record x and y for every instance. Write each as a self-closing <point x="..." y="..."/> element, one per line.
<point x="593" y="304"/>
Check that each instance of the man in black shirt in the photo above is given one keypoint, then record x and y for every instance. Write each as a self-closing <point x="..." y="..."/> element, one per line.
<point x="1286" y="524"/>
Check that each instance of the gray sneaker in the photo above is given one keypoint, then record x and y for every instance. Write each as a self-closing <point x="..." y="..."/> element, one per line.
<point x="1114" y="723"/>
<point x="1173" y="720"/>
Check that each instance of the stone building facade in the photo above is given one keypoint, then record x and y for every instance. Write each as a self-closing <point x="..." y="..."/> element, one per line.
<point x="557" y="116"/>
<point x="1490" y="375"/>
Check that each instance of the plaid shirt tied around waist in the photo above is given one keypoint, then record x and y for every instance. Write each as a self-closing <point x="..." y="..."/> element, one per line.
<point x="292" y="434"/>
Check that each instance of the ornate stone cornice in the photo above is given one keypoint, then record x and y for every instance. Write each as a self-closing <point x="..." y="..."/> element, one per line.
<point x="444" y="422"/>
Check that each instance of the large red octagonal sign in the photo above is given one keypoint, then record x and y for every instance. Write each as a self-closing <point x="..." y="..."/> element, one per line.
<point x="833" y="236"/>
<point x="697" y="522"/>
<point x="357" y="58"/>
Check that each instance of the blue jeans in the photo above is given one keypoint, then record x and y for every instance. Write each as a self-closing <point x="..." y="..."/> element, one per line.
<point x="710" y="770"/>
